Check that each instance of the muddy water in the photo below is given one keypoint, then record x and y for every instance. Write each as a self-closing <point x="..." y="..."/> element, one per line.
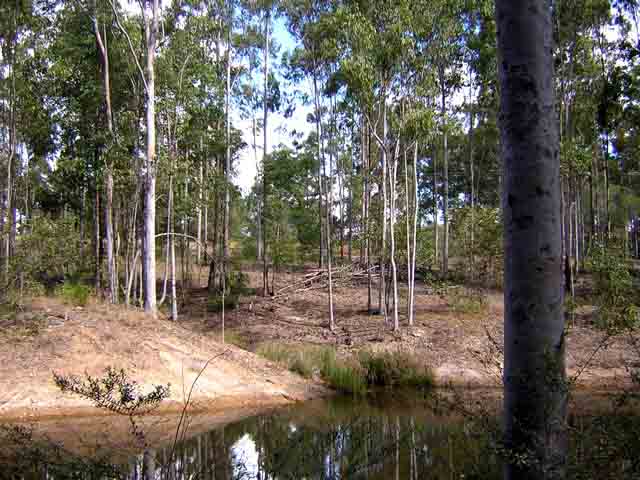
<point x="399" y="436"/>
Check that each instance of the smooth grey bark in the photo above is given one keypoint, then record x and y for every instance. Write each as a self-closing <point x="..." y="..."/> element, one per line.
<point x="101" y="41"/>
<point x="227" y="169"/>
<point x="534" y="368"/>
<point x="436" y="251"/>
<point x="265" y="153"/>
<point x="393" y="170"/>
<point x="150" y="15"/>
<point x="323" y="166"/>
<point x="445" y="178"/>
<point x="383" y="147"/>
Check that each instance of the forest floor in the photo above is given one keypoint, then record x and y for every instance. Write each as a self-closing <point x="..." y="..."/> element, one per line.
<point x="48" y="336"/>
<point x="457" y="331"/>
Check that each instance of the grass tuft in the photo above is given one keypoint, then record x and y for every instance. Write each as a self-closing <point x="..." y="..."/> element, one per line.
<point x="399" y="369"/>
<point x="354" y="375"/>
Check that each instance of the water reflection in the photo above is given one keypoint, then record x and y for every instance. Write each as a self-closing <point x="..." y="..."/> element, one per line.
<point x="334" y="439"/>
<point x="397" y="437"/>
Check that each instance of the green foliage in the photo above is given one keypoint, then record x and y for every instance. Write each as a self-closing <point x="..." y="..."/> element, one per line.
<point x="49" y="251"/>
<point x="614" y="291"/>
<point x="74" y="293"/>
<point x="395" y="368"/>
<point x="237" y="286"/>
<point x="478" y="240"/>
<point x="344" y="376"/>
<point x="115" y="392"/>
<point x="352" y="375"/>
<point x="467" y="301"/>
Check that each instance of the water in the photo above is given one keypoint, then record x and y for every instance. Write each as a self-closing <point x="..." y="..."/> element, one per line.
<point x="387" y="436"/>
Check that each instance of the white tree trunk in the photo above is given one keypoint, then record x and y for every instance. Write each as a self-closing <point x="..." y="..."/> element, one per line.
<point x="151" y="14"/>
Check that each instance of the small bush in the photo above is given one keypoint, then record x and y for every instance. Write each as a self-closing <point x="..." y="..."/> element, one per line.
<point x="614" y="291"/>
<point x="467" y="302"/>
<point x="75" y="293"/>
<point x="395" y="369"/>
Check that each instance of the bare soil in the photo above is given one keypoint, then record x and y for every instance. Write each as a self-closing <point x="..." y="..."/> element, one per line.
<point x="462" y="346"/>
<point x="49" y="336"/>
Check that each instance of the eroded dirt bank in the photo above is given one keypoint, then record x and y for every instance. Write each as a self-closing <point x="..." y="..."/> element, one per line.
<point x="77" y="341"/>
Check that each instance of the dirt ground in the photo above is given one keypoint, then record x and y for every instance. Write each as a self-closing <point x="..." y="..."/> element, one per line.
<point x="70" y="340"/>
<point x="463" y="345"/>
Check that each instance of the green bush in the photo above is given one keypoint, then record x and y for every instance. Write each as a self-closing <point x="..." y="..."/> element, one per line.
<point x="467" y="301"/>
<point x="613" y="290"/>
<point x="48" y="252"/>
<point x="395" y="369"/>
<point x="75" y="293"/>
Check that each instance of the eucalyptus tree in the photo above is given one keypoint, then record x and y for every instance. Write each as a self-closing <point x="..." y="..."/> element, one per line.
<point x="150" y="13"/>
<point x="315" y="59"/>
<point x="535" y="396"/>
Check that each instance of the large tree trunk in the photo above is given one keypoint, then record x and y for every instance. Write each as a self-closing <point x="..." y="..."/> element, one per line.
<point x="534" y="368"/>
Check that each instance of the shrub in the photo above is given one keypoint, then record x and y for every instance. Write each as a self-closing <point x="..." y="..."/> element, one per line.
<point x="467" y="302"/>
<point x="49" y="252"/>
<point x="614" y="290"/>
<point x="75" y="293"/>
<point x="395" y="369"/>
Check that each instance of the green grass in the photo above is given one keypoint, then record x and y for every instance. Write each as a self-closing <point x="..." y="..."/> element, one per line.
<point x="355" y="375"/>
<point x="399" y="369"/>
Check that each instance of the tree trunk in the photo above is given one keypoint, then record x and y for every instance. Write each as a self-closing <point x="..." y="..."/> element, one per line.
<point x="265" y="153"/>
<point x="534" y="368"/>
<point x="436" y="250"/>
<point x="393" y="167"/>
<point x="101" y="41"/>
<point x="445" y="172"/>
<point x="327" y="232"/>
<point x="415" y="234"/>
<point x="149" y="174"/>
<point x="383" y="213"/>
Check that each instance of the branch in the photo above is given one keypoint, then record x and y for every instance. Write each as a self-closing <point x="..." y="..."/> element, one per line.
<point x="131" y="49"/>
<point x="375" y="134"/>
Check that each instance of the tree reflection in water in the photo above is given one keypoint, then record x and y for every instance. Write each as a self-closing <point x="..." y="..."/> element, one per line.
<point x="399" y="437"/>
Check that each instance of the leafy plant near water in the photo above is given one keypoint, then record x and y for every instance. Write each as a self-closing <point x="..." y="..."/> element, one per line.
<point x="355" y="375"/>
<point x="115" y="392"/>
<point x="395" y="369"/>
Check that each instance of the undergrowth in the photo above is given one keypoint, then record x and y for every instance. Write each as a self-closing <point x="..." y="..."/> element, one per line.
<point x="352" y="375"/>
